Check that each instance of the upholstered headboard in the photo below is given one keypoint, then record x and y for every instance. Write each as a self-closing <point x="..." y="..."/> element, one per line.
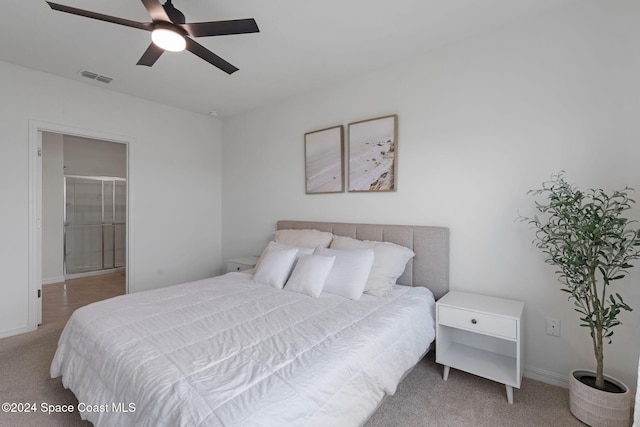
<point x="430" y="266"/>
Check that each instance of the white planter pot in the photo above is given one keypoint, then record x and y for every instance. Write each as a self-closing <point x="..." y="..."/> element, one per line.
<point x="599" y="408"/>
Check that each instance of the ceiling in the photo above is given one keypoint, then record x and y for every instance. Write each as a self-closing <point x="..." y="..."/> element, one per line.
<point x="301" y="46"/>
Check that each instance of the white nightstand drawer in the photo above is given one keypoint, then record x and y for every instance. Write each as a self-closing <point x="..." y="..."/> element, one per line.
<point x="234" y="266"/>
<point x="242" y="263"/>
<point x="478" y="322"/>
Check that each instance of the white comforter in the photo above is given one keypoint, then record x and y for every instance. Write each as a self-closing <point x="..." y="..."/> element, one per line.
<point x="227" y="351"/>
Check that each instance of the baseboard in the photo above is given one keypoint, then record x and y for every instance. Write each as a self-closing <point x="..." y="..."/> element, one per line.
<point x="16" y="331"/>
<point x="546" y="377"/>
<point x="53" y="280"/>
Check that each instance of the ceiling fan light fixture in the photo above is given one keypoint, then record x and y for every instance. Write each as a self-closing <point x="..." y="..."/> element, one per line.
<point x="169" y="31"/>
<point x="168" y="39"/>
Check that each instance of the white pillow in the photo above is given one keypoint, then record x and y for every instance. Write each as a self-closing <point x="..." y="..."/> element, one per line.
<point x="276" y="245"/>
<point x="305" y="238"/>
<point x="309" y="274"/>
<point x="275" y="266"/>
<point x="349" y="273"/>
<point x="389" y="262"/>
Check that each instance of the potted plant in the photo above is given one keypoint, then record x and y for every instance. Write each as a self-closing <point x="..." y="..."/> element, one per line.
<point x="586" y="236"/>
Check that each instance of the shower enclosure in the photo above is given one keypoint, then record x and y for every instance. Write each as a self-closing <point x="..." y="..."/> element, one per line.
<point x="94" y="223"/>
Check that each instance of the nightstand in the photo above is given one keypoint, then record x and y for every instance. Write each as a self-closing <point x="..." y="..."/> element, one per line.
<point x="481" y="335"/>
<point x="242" y="263"/>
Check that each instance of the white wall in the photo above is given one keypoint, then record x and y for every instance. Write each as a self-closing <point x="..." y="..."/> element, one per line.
<point x="174" y="181"/>
<point x="91" y="157"/>
<point x="52" y="207"/>
<point x="480" y="123"/>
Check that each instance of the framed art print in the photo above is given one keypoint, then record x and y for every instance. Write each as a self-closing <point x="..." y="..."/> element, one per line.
<point x="373" y="149"/>
<point x="324" y="159"/>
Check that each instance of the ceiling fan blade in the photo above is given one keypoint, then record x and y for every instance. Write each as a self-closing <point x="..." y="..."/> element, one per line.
<point x="150" y="56"/>
<point x="209" y="56"/>
<point x="156" y="10"/>
<point x="101" y="17"/>
<point x="222" y="28"/>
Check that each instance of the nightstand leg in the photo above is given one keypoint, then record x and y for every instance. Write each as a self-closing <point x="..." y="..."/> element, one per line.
<point x="510" y="394"/>
<point x="445" y="373"/>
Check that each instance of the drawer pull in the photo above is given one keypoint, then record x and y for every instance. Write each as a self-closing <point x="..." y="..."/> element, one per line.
<point x="474" y="321"/>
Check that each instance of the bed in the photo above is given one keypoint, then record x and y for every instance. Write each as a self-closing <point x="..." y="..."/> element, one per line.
<point x="227" y="351"/>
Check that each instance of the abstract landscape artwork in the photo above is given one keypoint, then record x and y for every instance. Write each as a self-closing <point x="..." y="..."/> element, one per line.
<point x="324" y="158"/>
<point x="373" y="147"/>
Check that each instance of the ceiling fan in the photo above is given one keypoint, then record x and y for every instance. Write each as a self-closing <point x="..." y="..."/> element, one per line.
<point x="169" y="31"/>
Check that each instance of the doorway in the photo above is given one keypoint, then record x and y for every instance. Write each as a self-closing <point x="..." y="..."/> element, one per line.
<point x="77" y="157"/>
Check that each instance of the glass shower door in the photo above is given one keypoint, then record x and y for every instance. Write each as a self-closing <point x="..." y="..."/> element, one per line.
<point x="94" y="228"/>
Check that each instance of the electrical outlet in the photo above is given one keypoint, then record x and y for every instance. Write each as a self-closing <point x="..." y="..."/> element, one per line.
<point x="553" y="327"/>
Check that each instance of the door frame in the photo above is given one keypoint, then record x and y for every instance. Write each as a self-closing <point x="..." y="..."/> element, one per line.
<point x="35" y="206"/>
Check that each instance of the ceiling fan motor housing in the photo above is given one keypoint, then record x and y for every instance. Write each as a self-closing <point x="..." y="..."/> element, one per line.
<point x="161" y="25"/>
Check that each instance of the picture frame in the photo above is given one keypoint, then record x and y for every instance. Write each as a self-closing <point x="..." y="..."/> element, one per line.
<point x="373" y="153"/>
<point x="324" y="160"/>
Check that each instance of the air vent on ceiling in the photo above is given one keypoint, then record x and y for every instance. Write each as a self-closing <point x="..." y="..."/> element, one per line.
<point x="104" y="79"/>
<point x="95" y="76"/>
